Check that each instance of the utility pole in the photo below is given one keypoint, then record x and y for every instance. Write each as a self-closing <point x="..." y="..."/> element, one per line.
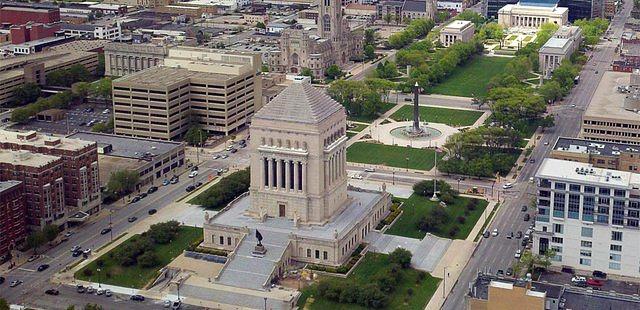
<point x="435" y="168"/>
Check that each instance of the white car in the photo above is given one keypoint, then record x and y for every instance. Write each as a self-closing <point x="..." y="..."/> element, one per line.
<point x="99" y="291"/>
<point x="494" y="232"/>
<point x="507" y="186"/>
<point x="193" y="173"/>
<point x="369" y="170"/>
<point x="357" y="176"/>
<point x="578" y="279"/>
<point x="518" y="254"/>
<point x="106" y="111"/>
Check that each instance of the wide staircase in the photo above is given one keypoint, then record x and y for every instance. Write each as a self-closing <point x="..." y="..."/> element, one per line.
<point x="248" y="271"/>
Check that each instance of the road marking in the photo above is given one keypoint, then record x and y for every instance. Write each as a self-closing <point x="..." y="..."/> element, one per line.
<point x="25" y="269"/>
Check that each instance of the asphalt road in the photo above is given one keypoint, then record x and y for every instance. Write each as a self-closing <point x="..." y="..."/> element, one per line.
<point x="31" y="292"/>
<point x="498" y="252"/>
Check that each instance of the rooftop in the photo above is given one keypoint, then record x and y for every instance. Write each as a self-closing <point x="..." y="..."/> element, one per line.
<point x="41" y="140"/>
<point x="128" y="147"/>
<point x="300" y="102"/>
<point x="26" y="158"/>
<point x="457" y="24"/>
<point x="541" y="3"/>
<point x="538" y="289"/>
<point x="526" y="7"/>
<point x="5" y="185"/>
<point x="163" y="76"/>
<point x="554" y="43"/>
<point x="608" y="102"/>
<point x="414" y="6"/>
<point x="586" y="173"/>
<point x="575" y="145"/>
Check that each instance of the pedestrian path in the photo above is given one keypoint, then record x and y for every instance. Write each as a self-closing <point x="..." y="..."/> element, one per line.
<point x="426" y="252"/>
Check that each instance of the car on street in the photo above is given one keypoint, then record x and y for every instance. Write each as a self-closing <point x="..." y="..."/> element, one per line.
<point x="86" y="252"/>
<point x="80" y="289"/>
<point x="369" y="170"/>
<point x="198" y="184"/>
<point x="152" y="189"/>
<point x="105" y="231"/>
<point x="486" y="234"/>
<point x="2" y="279"/>
<point x="68" y="234"/>
<point x="106" y="111"/>
<point x="224" y="156"/>
<point x="532" y="160"/>
<point x="52" y="291"/>
<point x="527" y="217"/>
<point x="518" y="253"/>
<point x="100" y="292"/>
<point x="75" y="248"/>
<point x="357" y="177"/>
<point x="143" y="195"/>
<point x="507" y="186"/>
<point x="137" y="297"/>
<point x="510" y="235"/>
<point x="599" y="274"/>
<point x="216" y="156"/>
<point x="509" y="271"/>
<point x="233" y="151"/>
<point x="500" y="273"/>
<point x="165" y="182"/>
<point x="76" y="253"/>
<point x="135" y="199"/>
<point x="407" y="99"/>
<point x="577" y="279"/>
<point x="32" y="258"/>
<point x="524" y="242"/>
<point x="190" y="188"/>
<point x="523" y="209"/>
<point x="176" y="305"/>
<point x="90" y="290"/>
<point x="167" y="303"/>
<point x="194" y="168"/>
<point x="15" y="283"/>
<point x="43" y="267"/>
<point x="595" y="282"/>
<point x="152" y="211"/>
<point x="546" y="142"/>
<point x="108" y="293"/>
<point x="174" y="180"/>
<point x="518" y="235"/>
<point x="495" y="232"/>
<point x="131" y="219"/>
<point x="193" y="174"/>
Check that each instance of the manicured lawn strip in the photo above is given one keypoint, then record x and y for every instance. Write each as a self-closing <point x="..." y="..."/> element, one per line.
<point x="351" y="134"/>
<point x="368" y="119"/>
<point x="451" y="117"/>
<point x="418" y="206"/>
<point x="366" y="270"/>
<point x="472" y="78"/>
<point x="357" y="127"/>
<point x="135" y="276"/>
<point x="391" y="155"/>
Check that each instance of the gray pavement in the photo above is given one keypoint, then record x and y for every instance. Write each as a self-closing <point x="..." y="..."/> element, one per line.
<point x="426" y="252"/>
<point x="497" y="253"/>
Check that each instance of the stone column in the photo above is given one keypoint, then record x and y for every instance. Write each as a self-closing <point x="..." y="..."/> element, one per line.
<point x="295" y="175"/>
<point x="287" y="177"/>
<point x="304" y="176"/>
<point x="271" y="172"/>
<point x="278" y="173"/>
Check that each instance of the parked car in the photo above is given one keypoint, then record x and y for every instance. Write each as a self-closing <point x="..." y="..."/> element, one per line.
<point x="599" y="274"/>
<point x="595" y="282"/>
<point x="108" y="293"/>
<point x="190" y="188"/>
<point x="176" y="305"/>
<point x="2" y="279"/>
<point x="43" y="267"/>
<point x="137" y="297"/>
<point x="152" y="189"/>
<point x="32" y="258"/>
<point x="532" y="160"/>
<point x="143" y="195"/>
<point x="567" y="269"/>
<point x="509" y="271"/>
<point x="518" y="235"/>
<point x="523" y="209"/>
<point x="193" y="174"/>
<point x="131" y="219"/>
<point x="86" y="252"/>
<point x="495" y="232"/>
<point x="152" y="211"/>
<point x="216" y="156"/>
<point x="15" y="283"/>
<point x="135" y="199"/>
<point x="52" y="291"/>
<point x="99" y="291"/>
<point x="224" y="156"/>
<point x="486" y="234"/>
<point x="68" y="234"/>
<point x="500" y="273"/>
<point x="165" y="182"/>
<point x="518" y="253"/>
<point x="233" y="150"/>
<point x="105" y="231"/>
<point x="80" y="289"/>
<point x="527" y="217"/>
<point x="369" y="170"/>
<point x="507" y="186"/>
<point x="577" y="279"/>
<point x="174" y="180"/>
<point x="194" y="168"/>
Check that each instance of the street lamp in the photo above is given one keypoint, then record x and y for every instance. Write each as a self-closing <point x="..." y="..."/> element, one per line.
<point x="407" y="163"/>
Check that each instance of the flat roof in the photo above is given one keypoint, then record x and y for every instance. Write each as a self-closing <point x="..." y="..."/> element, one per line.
<point x="5" y="185"/>
<point x="42" y="140"/>
<point x="578" y="172"/>
<point x="555" y="43"/>
<point x="128" y="147"/>
<point x="457" y="24"/>
<point x="607" y="101"/>
<point x="26" y="158"/>
<point x="582" y="146"/>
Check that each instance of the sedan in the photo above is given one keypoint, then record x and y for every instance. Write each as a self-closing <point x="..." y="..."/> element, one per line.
<point x="135" y="199"/>
<point x="105" y="231"/>
<point x="518" y="235"/>
<point x="495" y="232"/>
<point x="507" y="186"/>
<point x="526" y="217"/>
<point x="15" y="283"/>
<point x="152" y="189"/>
<point x="43" y="267"/>
<point x="190" y="188"/>
<point x="198" y="184"/>
<point x="518" y="253"/>
<point x="216" y="156"/>
<point x="165" y="182"/>
<point x="152" y="211"/>
<point x="486" y="234"/>
<point x="509" y="271"/>
<point x="595" y="282"/>
<point x="510" y="235"/>
<point x="132" y="219"/>
<point x="137" y="298"/>
<point x="52" y="291"/>
<point x="2" y="279"/>
<point x="108" y="293"/>
<point x="523" y="209"/>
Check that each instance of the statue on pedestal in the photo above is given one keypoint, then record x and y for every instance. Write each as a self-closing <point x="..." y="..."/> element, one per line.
<point x="259" y="250"/>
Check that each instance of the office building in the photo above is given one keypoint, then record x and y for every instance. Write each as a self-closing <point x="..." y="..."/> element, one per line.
<point x="527" y="15"/>
<point x="121" y="59"/>
<point x="561" y="46"/>
<point x="219" y="90"/>
<point x="32" y="31"/>
<point x="13" y="216"/>
<point x="589" y="217"/>
<point x="79" y="164"/>
<point x="43" y="185"/>
<point x="577" y="9"/>
<point x="457" y="30"/>
<point x="90" y="31"/>
<point x="391" y="8"/>
<point x="612" y="114"/>
<point x="609" y="155"/>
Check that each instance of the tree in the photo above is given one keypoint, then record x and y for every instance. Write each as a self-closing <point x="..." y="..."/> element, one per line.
<point x="401" y="257"/>
<point x="261" y="25"/>
<point x="386" y="70"/>
<point x="264" y="68"/>
<point x="333" y="72"/>
<point x="81" y="89"/>
<point x="369" y="52"/>
<point x="307" y="72"/>
<point x="26" y="93"/>
<point x="102" y="127"/>
<point x="92" y="307"/>
<point x="196" y="135"/>
<point x="387" y="18"/>
<point x="50" y="232"/>
<point x="123" y="181"/>
<point x="471" y="16"/>
<point x="551" y="91"/>
<point x="369" y="36"/>
<point x="102" y="88"/>
<point x="35" y="239"/>
<point x="148" y="259"/>
<point x="4" y="305"/>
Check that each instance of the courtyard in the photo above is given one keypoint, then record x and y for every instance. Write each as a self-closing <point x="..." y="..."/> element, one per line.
<point x="472" y="78"/>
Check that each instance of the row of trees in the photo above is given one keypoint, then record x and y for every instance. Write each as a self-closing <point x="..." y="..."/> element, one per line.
<point x="122" y="182"/>
<point x="39" y="237"/>
<point x="26" y="93"/>
<point x="66" y="77"/>
<point x="592" y="29"/>
<point x="373" y="294"/>
<point x="416" y="29"/>
<point x="361" y="98"/>
<point x="139" y="250"/>
<point x="218" y="196"/>
<point x="60" y="100"/>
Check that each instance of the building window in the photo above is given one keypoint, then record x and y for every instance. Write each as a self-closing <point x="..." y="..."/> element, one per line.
<point x="585" y="261"/>
<point x="574" y="187"/>
<point x="325" y="255"/>
<point x="586" y="244"/>
<point x="616" y="247"/>
<point x="221" y="240"/>
<point x="560" y="186"/>
<point x="589" y="189"/>
<point x="614" y="266"/>
<point x="228" y="240"/>
<point x="587" y="232"/>
<point x="556" y="240"/>
<point x="308" y="252"/>
<point x="619" y="193"/>
<point x="615" y="257"/>
<point x="558" y="228"/>
<point x="586" y="253"/>
<point x="616" y="236"/>
<point x="604" y="191"/>
<point x="318" y="254"/>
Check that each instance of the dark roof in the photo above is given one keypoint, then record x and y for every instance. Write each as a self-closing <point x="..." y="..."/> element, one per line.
<point x="541" y="3"/>
<point x="128" y="147"/>
<point x="552" y="290"/>
<point x="300" y="103"/>
<point x="575" y="300"/>
<point x="594" y="147"/>
<point x="414" y="6"/>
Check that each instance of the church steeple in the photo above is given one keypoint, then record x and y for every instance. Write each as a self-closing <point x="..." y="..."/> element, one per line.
<point x="330" y="19"/>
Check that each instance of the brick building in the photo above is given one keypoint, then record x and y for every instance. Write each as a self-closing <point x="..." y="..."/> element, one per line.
<point x="79" y="164"/>
<point x="19" y="14"/>
<point x="31" y="32"/>
<point x="43" y="185"/>
<point x="12" y="216"/>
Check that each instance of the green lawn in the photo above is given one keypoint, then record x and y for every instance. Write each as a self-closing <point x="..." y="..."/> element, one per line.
<point x="350" y="134"/>
<point x="472" y="78"/>
<point x="451" y="117"/>
<point x="136" y="276"/>
<point x="357" y="127"/>
<point x="416" y="206"/>
<point x="391" y="155"/>
<point x="368" y="119"/>
<point x="370" y="266"/>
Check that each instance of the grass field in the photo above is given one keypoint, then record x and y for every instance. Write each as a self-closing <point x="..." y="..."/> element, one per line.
<point x="370" y="266"/>
<point x="368" y="119"/>
<point x="350" y="134"/>
<point x="391" y="155"/>
<point x="451" y="117"/>
<point x="416" y="206"/>
<point x="135" y="276"/>
<point x="357" y="127"/>
<point x="472" y="78"/>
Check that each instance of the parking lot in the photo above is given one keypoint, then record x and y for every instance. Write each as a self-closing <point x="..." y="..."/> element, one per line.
<point x="77" y="118"/>
<point x="621" y="287"/>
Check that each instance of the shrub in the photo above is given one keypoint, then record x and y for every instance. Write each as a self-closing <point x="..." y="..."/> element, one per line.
<point x="87" y="272"/>
<point x="461" y="219"/>
<point x="401" y="257"/>
<point x="230" y="187"/>
<point x="410" y="291"/>
<point x="453" y="231"/>
<point x="100" y="262"/>
<point x="148" y="259"/>
<point x="163" y="233"/>
<point x="421" y="276"/>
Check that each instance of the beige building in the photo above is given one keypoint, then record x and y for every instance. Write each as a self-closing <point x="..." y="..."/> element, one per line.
<point x="491" y="293"/>
<point x="608" y="155"/>
<point x="219" y="90"/>
<point x="299" y="199"/>
<point x="561" y="46"/>
<point x="457" y="30"/>
<point x="612" y="114"/>
<point x="33" y="68"/>
<point x="528" y="16"/>
<point x="121" y="59"/>
<point x="332" y="42"/>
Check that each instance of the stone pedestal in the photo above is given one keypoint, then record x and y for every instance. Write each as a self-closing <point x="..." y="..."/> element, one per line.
<point x="259" y="251"/>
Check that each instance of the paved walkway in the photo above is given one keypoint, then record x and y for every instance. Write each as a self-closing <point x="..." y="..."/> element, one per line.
<point x="426" y="252"/>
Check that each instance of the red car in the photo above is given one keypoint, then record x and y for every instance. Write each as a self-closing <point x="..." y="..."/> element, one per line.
<point x="594" y="282"/>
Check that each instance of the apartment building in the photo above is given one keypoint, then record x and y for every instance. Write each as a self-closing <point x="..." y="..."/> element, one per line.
<point x="219" y="90"/>
<point x="612" y="114"/>
<point x="43" y="185"/>
<point x="79" y="164"/>
<point x="121" y="59"/>
<point x="609" y="155"/>
<point x="13" y="224"/>
<point x="588" y="216"/>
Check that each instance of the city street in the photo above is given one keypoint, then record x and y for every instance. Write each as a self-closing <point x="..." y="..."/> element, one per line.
<point x="497" y="252"/>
